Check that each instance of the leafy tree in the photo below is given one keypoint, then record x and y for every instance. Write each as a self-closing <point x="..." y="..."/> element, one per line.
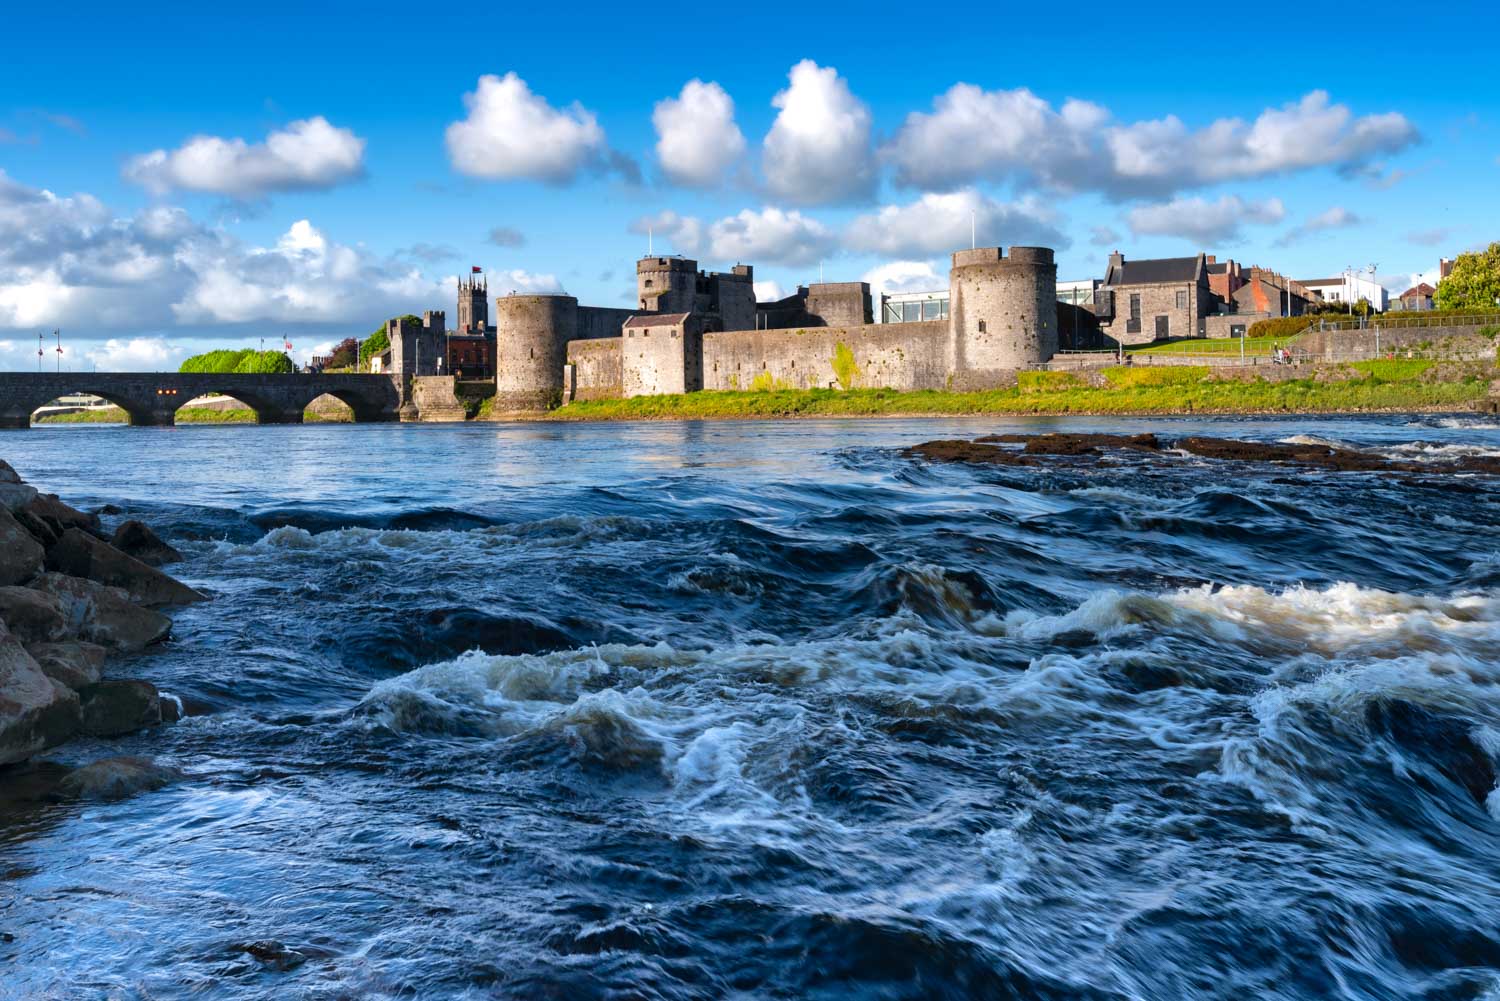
<point x="343" y="354"/>
<point x="373" y="345"/>
<point x="1474" y="282"/>
<point x="266" y="363"/>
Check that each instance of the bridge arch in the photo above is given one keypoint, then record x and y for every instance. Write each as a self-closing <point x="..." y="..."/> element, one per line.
<point x="136" y="410"/>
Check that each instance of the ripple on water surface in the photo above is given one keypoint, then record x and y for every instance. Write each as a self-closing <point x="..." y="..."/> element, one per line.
<point x="709" y="711"/>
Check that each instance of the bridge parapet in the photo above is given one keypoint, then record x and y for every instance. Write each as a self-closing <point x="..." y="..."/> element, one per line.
<point x="153" y="398"/>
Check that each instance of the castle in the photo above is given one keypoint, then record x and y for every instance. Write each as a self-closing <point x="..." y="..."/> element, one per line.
<point x="693" y="330"/>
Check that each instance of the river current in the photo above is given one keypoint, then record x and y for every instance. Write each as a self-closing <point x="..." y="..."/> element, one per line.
<point x="766" y="710"/>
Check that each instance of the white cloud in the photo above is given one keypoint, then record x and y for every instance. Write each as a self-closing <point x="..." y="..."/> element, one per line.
<point x="1337" y="217"/>
<point x="941" y="223"/>
<point x="771" y="235"/>
<point x="70" y="262"/>
<point x="518" y="280"/>
<point x="134" y="354"/>
<point x="512" y="134"/>
<point x="1201" y="221"/>
<point x="1430" y="237"/>
<point x="1104" y="236"/>
<point x="973" y="134"/>
<point x="310" y="154"/>
<point x="818" y="149"/>
<point x="768" y="291"/>
<point x="904" y="276"/>
<point x="697" y="139"/>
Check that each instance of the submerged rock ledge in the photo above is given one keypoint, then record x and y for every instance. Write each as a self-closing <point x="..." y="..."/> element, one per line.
<point x="69" y="597"/>
<point x="1041" y="449"/>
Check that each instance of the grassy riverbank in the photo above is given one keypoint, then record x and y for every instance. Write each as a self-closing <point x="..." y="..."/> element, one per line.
<point x="187" y="415"/>
<point x="1199" y="396"/>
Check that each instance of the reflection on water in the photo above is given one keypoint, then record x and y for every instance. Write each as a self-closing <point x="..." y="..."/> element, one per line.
<point x="762" y="709"/>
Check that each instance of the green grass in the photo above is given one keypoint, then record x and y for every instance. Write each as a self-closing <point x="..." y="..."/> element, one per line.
<point x="1126" y="376"/>
<point x="1393" y="369"/>
<point x="1302" y="396"/>
<point x="187" y="415"/>
<point x="1047" y="382"/>
<point x="1214" y="346"/>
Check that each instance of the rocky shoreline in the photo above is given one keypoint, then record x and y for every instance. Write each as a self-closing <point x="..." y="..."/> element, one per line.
<point x="1041" y="449"/>
<point x="70" y="597"/>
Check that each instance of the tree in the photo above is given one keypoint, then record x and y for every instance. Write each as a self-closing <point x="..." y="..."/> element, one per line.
<point x="1474" y="282"/>
<point x="343" y="354"/>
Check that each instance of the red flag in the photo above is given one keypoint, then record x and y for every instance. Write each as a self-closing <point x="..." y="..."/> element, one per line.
<point x="288" y="345"/>
<point x="477" y="270"/>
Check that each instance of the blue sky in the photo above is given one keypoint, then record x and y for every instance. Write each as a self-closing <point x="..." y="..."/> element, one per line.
<point x="187" y="177"/>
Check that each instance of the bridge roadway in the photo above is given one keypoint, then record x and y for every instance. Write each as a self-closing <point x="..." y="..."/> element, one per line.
<point x="151" y="399"/>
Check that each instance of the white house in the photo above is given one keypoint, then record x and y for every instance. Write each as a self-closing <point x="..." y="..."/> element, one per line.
<point x="1351" y="286"/>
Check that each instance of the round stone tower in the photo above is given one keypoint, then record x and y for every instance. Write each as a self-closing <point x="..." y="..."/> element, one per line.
<point x="666" y="284"/>
<point x="531" y="346"/>
<point x="1002" y="313"/>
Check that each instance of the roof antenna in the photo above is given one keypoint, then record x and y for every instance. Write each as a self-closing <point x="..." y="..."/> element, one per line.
<point x="649" y="244"/>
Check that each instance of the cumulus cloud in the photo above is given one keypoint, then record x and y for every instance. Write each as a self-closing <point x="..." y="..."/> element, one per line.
<point x="134" y="354"/>
<point x="505" y="236"/>
<point x="973" y="134"/>
<point x="1201" y="221"/>
<point x="904" y="276"/>
<point x="1104" y="236"/>
<point x="768" y="291"/>
<point x="941" y="223"/>
<point x="772" y="235"/>
<point x="518" y="280"/>
<point x="818" y="150"/>
<point x="513" y="134"/>
<point x="71" y="262"/>
<point x="697" y="139"/>
<point x="310" y="154"/>
<point x="429" y="253"/>
<point x="1337" y="217"/>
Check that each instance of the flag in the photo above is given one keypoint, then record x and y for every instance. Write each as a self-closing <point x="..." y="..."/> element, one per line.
<point x="287" y="345"/>
<point x="477" y="270"/>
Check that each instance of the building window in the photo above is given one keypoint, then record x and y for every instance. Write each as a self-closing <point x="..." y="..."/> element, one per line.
<point x="932" y="310"/>
<point x="1182" y="299"/>
<point x="648" y="283"/>
<point x="981" y="326"/>
<point x="1135" y="306"/>
<point x="911" y="312"/>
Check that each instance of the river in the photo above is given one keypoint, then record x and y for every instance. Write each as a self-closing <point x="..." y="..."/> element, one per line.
<point x="766" y="710"/>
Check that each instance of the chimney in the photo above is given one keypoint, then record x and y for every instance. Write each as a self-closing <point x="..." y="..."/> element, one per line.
<point x="1116" y="259"/>
<point x="1213" y="259"/>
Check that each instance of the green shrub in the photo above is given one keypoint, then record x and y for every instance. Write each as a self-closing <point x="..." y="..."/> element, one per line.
<point x="1046" y="382"/>
<point x="244" y="360"/>
<point x="265" y="363"/>
<point x="1124" y="376"/>
<point x="1281" y="326"/>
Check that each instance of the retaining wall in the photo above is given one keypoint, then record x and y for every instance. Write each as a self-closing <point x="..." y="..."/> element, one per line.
<point x="884" y="355"/>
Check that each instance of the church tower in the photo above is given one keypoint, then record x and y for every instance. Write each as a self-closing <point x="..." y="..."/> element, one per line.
<point x="473" y="305"/>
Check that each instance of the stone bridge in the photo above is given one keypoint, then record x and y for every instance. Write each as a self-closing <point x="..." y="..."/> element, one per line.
<point x="152" y="398"/>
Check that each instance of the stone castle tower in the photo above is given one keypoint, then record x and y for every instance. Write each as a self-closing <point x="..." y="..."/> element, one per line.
<point x="1002" y="313"/>
<point x="473" y="306"/>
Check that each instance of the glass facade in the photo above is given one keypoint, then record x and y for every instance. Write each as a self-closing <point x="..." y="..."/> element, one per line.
<point x="911" y="307"/>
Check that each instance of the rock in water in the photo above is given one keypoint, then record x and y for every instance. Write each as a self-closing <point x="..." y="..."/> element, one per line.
<point x="59" y="516"/>
<point x="117" y="778"/>
<point x="79" y="554"/>
<point x="102" y="614"/>
<point x="115" y="708"/>
<point x="33" y="616"/>
<point x="20" y="554"/>
<point x="36" y="712"/>
<point x="134" y="538"/>
<point x="74" y="663"/>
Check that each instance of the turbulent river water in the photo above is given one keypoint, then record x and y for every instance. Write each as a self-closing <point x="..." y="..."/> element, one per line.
<point x="764" y="709"/>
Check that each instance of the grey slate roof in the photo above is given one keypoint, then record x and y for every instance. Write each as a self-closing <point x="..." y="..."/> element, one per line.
<point x="1161" y="269"/>
<point x="657" y="319"/>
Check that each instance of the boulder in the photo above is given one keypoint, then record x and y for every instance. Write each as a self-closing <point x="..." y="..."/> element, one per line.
<point x="117" y="778"/>
<point x="33" y="616"/>
<point x="114" y="708"/>
<point x="75" y="663"/>
<point x="60" y="517"/>
<point x="40" y="530"/>
<point x="14" y="496"/>
<point x="20" y="554"/>
<point x="35" y="712"/>
<point x="133" y="538"/>
<point x="102" y="614"/>
<point x="79" y="554"/>
<point x="8" y="473"/>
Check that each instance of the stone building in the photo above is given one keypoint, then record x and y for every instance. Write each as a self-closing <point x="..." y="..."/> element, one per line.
<point x="1153" y="300"/>
<point x="1003" y="318"/>
<point x="1418" y="297"/>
